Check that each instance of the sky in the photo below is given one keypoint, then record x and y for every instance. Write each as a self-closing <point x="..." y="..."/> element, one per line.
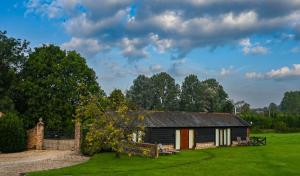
<point x="251" y="47"/>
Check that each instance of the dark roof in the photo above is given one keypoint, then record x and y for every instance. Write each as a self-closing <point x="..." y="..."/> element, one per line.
<point x="193" y="119"/>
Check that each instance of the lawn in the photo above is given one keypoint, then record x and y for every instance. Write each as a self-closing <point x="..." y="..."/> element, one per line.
<point x="281" y="156"/>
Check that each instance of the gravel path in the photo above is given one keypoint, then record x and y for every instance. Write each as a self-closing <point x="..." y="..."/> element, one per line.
<point x="15" y="163"/>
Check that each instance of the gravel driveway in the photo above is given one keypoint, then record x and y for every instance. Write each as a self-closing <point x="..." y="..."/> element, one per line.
<point x="15" y="163"/>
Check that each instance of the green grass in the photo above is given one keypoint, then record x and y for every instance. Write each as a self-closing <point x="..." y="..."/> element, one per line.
<point x="281" y="156"/>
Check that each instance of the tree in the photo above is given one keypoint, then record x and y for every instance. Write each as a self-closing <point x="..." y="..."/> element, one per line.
<point x="191" y="97"/>
<point x="12" y="133"/>
<point x="140" y="93"/>
<point x="273" y="109"/>
<point x="106" y="130"/>
<point x="291" y="102"/>
<point x="12" y="58"/>
<point x="165" y="92"/>
<point x="228" y="107"/>
<point x="52" y="82"/>
<point x="116" y="99"/>
<point x="245" y="108"/>
<point x="215" y="97"/>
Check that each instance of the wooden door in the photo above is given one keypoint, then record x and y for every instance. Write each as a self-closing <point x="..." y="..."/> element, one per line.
<point x="184" y="139"/>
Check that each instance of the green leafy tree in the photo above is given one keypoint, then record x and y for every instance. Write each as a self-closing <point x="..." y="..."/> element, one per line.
<point x="192" y="97"/>
<point x="116" y="99"/>
<point x="165" y="92"/>
<point x="52" y="81"/>
<point x="140" y="93"/>
<point x="291" y="102"/>
<point x="12" y="133"/>
<point x="215" y="97"/>
<point x="106" y="130"/>
<point x="12" y="58"/>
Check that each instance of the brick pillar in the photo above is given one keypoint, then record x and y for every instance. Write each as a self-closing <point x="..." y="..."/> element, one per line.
<point x="39" y="135"/>
<point x="77" y="136"/>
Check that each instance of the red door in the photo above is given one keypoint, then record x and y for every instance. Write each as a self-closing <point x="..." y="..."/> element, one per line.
<point x="184" y="139"/>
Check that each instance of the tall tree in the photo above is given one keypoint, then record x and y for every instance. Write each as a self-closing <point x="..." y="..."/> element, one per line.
<point x="215" y="96"/>
<point x="116" y="99"/>
<point x="12" y="58"/>
<point x="140" y="92"/>
<point x="291" y="102"/>
<point x="165" y="92"/>
<point x="191" y="97"/>
<point x="52" y="82"/>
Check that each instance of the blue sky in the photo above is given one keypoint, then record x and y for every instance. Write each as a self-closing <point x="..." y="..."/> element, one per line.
<point x="250" y="46"/>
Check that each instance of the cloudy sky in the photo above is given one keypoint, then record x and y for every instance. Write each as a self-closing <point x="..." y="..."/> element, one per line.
<point x="251" y="46"/>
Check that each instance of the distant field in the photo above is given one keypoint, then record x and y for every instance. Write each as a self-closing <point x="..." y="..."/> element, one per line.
<point x="281" y="156"/>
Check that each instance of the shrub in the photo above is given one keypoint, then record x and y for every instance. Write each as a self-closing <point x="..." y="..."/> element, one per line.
<point x="12" y="134"/>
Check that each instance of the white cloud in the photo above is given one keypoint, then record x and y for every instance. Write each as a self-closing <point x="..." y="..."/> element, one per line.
<point x="87" y="47"/>
<point x="295" y="49"/>
<point x="278" y="74"/>
<point x="133" y="48"/>
<point x="249" y="48"/>
<point x="285" y="72"/>
<point x="254" y="75"/>
<point x="226" y="71"/>
<point x="51" y="9"/>
<point x="173" y="25"/>
<point x="156" y="68"/>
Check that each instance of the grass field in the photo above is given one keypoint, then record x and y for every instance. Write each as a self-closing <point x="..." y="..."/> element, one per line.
<point x="281" y="156"/>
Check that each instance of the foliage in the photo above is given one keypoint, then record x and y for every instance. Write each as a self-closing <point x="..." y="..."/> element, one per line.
<point x="165" y="92"/>
<point x="291" y="102"/>
<point x="12" y="133"/>
<point x="279" y="157"/>
<point x="105" y="130"/>
<point x="116" y="99"/>
<point x="160" y="92"/>
<point x="280" y="122"/>
<point x="52" y="82"/>
<point x="12" y="58"/>
<point x="191" y="97"/>
<point x="215" y="97"/>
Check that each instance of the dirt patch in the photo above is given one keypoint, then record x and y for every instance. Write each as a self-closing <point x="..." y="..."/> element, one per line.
<point x="15" y="163"/>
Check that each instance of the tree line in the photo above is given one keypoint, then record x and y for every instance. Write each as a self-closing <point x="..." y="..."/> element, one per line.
<point x="160" y="92"/>
<point x="284" y="117"/>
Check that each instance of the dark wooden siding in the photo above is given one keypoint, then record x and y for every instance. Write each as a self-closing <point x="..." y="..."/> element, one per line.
<point x="238" y="132"/>
<point x="204" y="135"/>
<point x="160" y="135"/>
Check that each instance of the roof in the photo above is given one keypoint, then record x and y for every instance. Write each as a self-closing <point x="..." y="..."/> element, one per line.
<point x="193" y="119"/>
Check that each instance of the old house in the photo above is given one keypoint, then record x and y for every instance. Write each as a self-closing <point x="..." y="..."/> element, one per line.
<point x="194" y="130"/>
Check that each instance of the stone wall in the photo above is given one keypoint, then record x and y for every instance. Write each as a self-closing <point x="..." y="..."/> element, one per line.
<point x="35" y="136"/>
<point x="205" y="145"/>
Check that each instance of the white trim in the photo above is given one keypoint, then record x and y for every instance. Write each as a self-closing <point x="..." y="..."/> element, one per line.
<point x="228" y="136"/>
<point x="177" y="140"/>
<point x="217" y="137"/>
<point x="191" y="138"/>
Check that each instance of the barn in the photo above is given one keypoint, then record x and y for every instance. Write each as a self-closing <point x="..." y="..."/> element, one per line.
<point x="194" y="130"/>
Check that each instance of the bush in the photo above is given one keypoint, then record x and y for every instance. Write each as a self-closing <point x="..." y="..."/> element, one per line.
<point x="12" y="134"/>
